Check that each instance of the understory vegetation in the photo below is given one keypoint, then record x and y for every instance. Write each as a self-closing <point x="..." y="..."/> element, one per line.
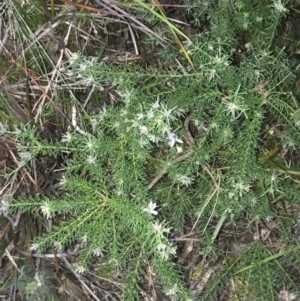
<point x="150" y="150"/>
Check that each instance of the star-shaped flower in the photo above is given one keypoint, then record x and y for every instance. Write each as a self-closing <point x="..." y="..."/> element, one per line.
<point x="173" y="139"/>
<point x="150" y="208"/>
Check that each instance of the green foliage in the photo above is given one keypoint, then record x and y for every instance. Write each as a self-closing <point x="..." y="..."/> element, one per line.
<point x="36" y="284"/>
<point x="108" y="206"/>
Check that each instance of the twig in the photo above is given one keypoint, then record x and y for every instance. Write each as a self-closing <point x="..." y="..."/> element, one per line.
<point x="49" y="255"/>
<point x="11" y="260"/>
<point x="74" y="123"/>
<point x="79" y="278"/>
<point x="217" y="185"/>
<point x="190" y="140"/>
<point x="185" y="239"/>
<point x="133" y="39"/>
<point x="14" y="224"/>
<point x="115" y="10"/>
<point x="54" y="74"/>
<point x="19" y="165"/>
<point x="158" y="177"/>
<point x="6" y="35"/>
<point x="203" y="207"/>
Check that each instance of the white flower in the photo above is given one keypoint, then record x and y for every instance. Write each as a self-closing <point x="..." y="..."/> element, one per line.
<point x="165" y="251"/>
<point x="82" y="67"/>
<point x="166" y="129"/>
<point x="74" y="57"/>
<point x="25" y="156"/>
<point x="139" y="116"/>
<point x="38" y="279"/>
<point x="159" y="121"/>
<point x="46" y="210"/>
<point x="143" y="130"/>
<point x="218" y="59"/>
<point x="123" y="112"/>
<point x="173" y="139"/>
<point x="126" y="95"/>
<point x="241" y="188"/>
<point x="150" y="208"/>
<point x="143" y="143"/>
<point x="160" y="230"/>
<point x="212" y="74"/>
<point x="91" y="159"/>
<point x="173" y="291"/>
<point x="254" y="201"/>
<point x="214" y="125"/>
<point x="246" y="25"/>
<point x="17" y="131"/>
<point x="102" y="114"/>
<point x="83" y="239"/>
<point x="58" y="246"/>
<point x="94" y="123"/>
<point x="279" y="7"/>
<point x="79" y="268"/>
<point x="4" y="205"/>
<point x="161" y="247"/>
<point x="150" y="114"/>
<point x="264" y="53"/>
<point x="119" y="192"/>
<point x="62" y="180"/>
<point x="285" y="295"/>
<point x="167" y="113"/>
<point x="268" y="218"/>
<point x="116" y="124"/>
<point x="2" y="128"/>
<point x="231" y="195"/>
<point x="67" y="73"/>
<point x="184" y="180"/>
<point x="97" y="252"/>
<point x="114" y="262"/>
<point x="153" y="138"/>
<point x="66" y="137"/>
<point x="274" y="178"/>
<point x="179" y="149"/>
<point x="88" y="80"/>
<point x="34" y="247"/>
<point x="135" y="124"/>
<point x="228" y="210"/>
<point x="156" y="104"/>
<point x="233" y="108"/>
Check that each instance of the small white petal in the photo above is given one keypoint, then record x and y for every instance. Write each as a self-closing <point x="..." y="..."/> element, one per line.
<point x="66" y="137"/>
<point x="25" y="156"/>
<point x="34" y="247"/>
<point x="46" y="210"/>
<point x="58" y="246"/>
<point x="91" y="159"/>
<point x="173" y="139"/>
<point x="2" y="128"/>
<point x="179" y="149"/>
<point x="150" y="208"/>
<point x="79" y="269"/>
